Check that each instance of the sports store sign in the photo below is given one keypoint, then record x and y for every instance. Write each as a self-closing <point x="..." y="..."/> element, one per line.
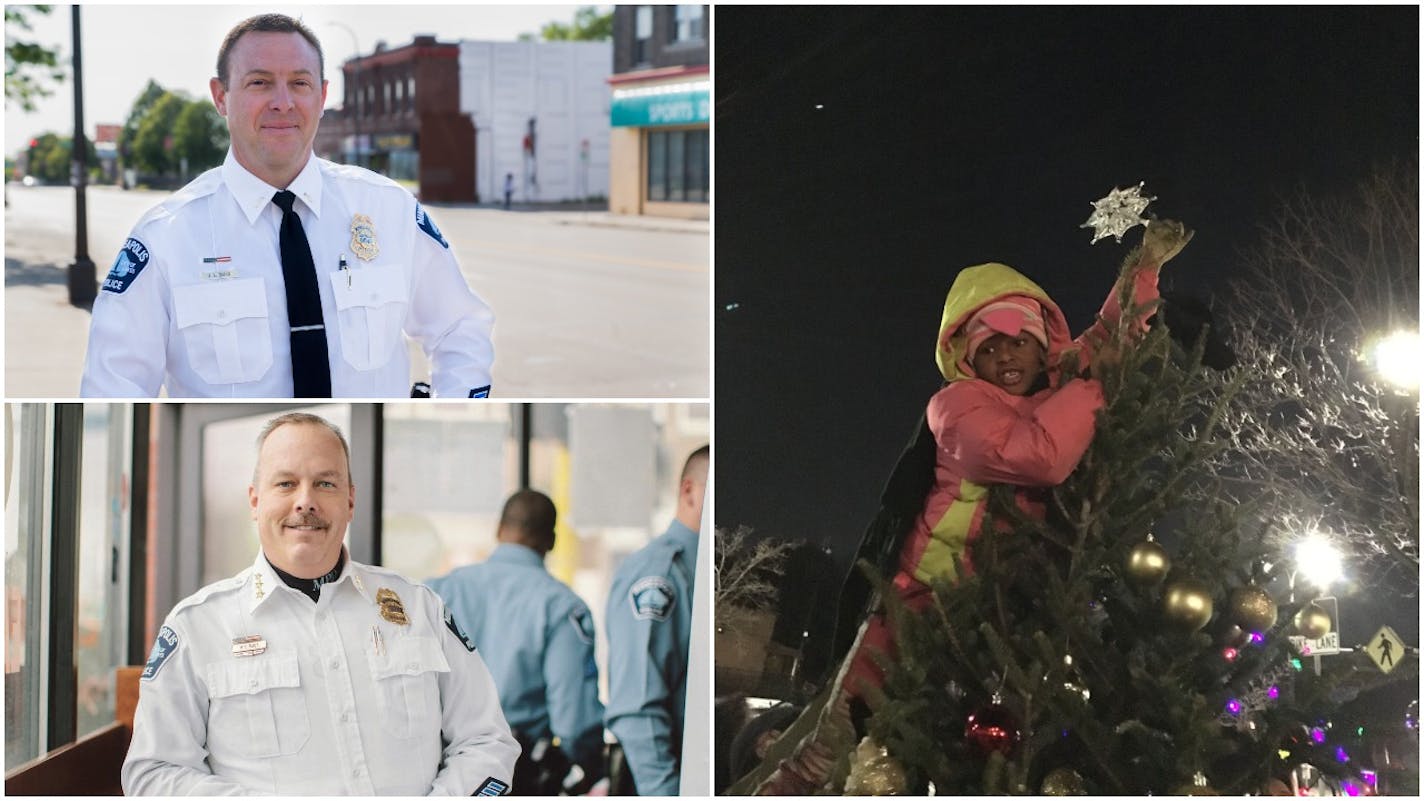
<point x="687" y="103"/>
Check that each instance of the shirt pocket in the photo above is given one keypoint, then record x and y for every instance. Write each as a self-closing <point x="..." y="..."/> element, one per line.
<point x="257" y="707"/>
<point x="370" y="307"/>
<point x="406" y="674"/>
<point x="225" y="329"/>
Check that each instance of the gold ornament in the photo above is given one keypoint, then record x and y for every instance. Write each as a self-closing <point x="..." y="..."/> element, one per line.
<point x="1063" y="781"/>
<point x="1312" y="621"/>
<point x="874" y="772"/>
<point x="1147" y="563"/>
<point x="1187" y="603"/>
<point x="1198" y="786"/>
<point x="1253" y="608"/>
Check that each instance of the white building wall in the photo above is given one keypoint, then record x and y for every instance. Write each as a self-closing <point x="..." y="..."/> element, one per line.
<point x="564" y="87"/>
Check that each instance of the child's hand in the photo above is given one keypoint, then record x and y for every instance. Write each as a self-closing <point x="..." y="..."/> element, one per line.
<point x="1107" y="357"/>
<point x="1163" y="240"/>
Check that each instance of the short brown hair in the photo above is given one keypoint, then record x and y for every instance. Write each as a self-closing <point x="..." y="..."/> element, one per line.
<point x="301" y="418"/>
<point x="267" y="23"/>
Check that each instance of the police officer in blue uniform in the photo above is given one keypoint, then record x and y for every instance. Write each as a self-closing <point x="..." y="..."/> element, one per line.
<point x="536" y="636"/>
<point x="280" y="274"/>
<point x="649" y="627"/>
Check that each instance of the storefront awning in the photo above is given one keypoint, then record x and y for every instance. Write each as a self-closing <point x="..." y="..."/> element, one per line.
<point x="687" y="103"/>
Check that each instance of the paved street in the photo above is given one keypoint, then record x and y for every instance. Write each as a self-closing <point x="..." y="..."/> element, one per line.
<point x="587" y="304"/>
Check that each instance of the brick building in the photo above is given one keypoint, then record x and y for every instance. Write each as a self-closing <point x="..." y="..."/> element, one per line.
<point x="660" y="146"/>
<point x="401" y="117"/>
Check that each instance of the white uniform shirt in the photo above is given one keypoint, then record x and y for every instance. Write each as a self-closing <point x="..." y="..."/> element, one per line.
<point x="196" y="301"/>
<point x="341" y="700"/>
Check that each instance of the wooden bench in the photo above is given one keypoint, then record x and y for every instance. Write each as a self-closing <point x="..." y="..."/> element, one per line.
<point x="91" y="765"/>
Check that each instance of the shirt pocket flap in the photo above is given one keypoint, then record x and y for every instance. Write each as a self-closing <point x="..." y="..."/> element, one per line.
<point x="369" y="286"/>
<point x="409" y="656"/>
<point x="249" y="676"/>
<point x="219" y="302"/>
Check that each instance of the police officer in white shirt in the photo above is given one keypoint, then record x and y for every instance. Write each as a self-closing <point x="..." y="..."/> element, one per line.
<point x="280" y="274"/>
<point x="311" y="674"/>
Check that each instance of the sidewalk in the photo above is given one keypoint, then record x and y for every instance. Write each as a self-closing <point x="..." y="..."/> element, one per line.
<point x="600" y="217"/>
<point x="45" y="337"/>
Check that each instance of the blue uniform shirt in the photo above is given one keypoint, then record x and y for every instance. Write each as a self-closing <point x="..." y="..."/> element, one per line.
<point x="649" y="625"/>
<point x="536" y="637"/>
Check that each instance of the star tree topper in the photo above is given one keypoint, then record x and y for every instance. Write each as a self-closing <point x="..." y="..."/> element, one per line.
<point x="1118" y="213"/>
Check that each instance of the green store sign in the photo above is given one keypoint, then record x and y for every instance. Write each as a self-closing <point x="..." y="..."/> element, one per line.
<point x="672" y="108"/>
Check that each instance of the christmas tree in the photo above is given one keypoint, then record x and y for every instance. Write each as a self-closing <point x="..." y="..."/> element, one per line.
<point x="1134" y="640"/>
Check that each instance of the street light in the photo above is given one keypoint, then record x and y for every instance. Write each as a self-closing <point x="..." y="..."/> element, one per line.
<point x="1396" y="358"/>
<point x="1318" y="560"/>
<point x="356" y="79"/>
<point x="82" y="278"/>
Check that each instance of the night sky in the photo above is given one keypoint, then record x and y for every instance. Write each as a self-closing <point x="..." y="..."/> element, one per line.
<point x="954" y="136"/>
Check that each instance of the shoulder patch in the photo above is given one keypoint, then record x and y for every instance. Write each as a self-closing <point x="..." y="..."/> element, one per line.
<point x="583" y="625"/>
<point x="163" y="647"/>
<point x="133" y="257"/>
<point x="455" y="629"/>
<point x="652" y="598"/>
<point x="492" y="786"/>
<point x="423" y="221"/>
<point x="480" y="392"/>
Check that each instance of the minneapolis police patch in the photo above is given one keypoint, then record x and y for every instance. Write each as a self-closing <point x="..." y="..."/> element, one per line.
<point x="492" y="786"/>
<point x="455" y="628"/>
<point x="133" y="257"/>
<point x="423" y="221"/>
<point x="163" y="647"/>
<point x="652" y="598"/>
<point x="480" y="392"/>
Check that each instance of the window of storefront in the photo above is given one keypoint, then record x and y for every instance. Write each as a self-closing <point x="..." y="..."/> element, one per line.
<point x="28" y="497"/>
<point x="642" y="34"/>
<point x="688" y="24"/>
<point x="678" y="166"/>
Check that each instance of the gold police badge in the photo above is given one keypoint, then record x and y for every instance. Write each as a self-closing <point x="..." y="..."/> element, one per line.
<point x="391" y="607"/>
<point x="363" y="237"/>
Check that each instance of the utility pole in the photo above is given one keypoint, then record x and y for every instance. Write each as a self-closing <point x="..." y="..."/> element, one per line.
<point x="357" y="95"/>
<point x="82" y="281"/>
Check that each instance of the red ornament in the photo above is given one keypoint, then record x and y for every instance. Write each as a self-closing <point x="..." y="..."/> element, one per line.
<point x="992" y="728"/>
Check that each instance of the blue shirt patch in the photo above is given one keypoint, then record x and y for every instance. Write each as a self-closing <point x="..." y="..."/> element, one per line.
<point x="480" y="392"/>
<point x="423" y="221"/>
<point x="133" y="257"/>
<point x="652" y="598"/>
<point x="455" y="628"/>
<point x="492" y="787"/>
<point x="163" y="647"/>
<point x="583" y="626"/>
<point x="590" y="667"/>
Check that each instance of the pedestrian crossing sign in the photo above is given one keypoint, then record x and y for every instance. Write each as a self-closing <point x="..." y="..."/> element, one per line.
<point x="1385" y="649"/>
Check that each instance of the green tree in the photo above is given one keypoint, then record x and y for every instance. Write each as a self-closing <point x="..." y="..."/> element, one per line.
<point x="588" y="26"/>
<point x="49" y="156"/>
<point x="153" y="143"/>
<point x="29" y="67"/>
<point x="141" y="105"/>
<point x="200" y="136"/>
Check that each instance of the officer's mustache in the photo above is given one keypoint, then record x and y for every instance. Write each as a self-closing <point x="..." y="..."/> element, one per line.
<point x="306" y="519"/>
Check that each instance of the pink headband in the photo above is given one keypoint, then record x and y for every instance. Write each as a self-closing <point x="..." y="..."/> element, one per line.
<point x="1011" y="315"/>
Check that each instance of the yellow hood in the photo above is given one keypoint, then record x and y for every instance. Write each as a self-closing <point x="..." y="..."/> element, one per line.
<point x="976" y="286"/>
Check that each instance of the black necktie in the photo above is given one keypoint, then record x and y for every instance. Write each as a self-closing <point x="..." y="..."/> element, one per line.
<point x="311" y="370"/>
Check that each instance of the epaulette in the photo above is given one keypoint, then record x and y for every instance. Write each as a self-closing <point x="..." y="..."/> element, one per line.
<point x="216" y="588"/>
<point x="349" y="172"/>
<point x="196" y="189"/>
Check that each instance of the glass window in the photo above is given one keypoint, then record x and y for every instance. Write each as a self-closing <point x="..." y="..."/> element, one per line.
<point x="687" y="24"/>
<point x="229" y="454"/>
<point x="102" y="633"/>
<point x="447" y="470"/>
<point x="642" y="32"/>
<point x="28" y="498"/>
<point x="678" y="166"/>
<point x="657" y="165"/>
<point x="410" y="92"/>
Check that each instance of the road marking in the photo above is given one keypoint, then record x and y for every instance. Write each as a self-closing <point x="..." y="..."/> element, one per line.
<point x="578" y="255"/>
